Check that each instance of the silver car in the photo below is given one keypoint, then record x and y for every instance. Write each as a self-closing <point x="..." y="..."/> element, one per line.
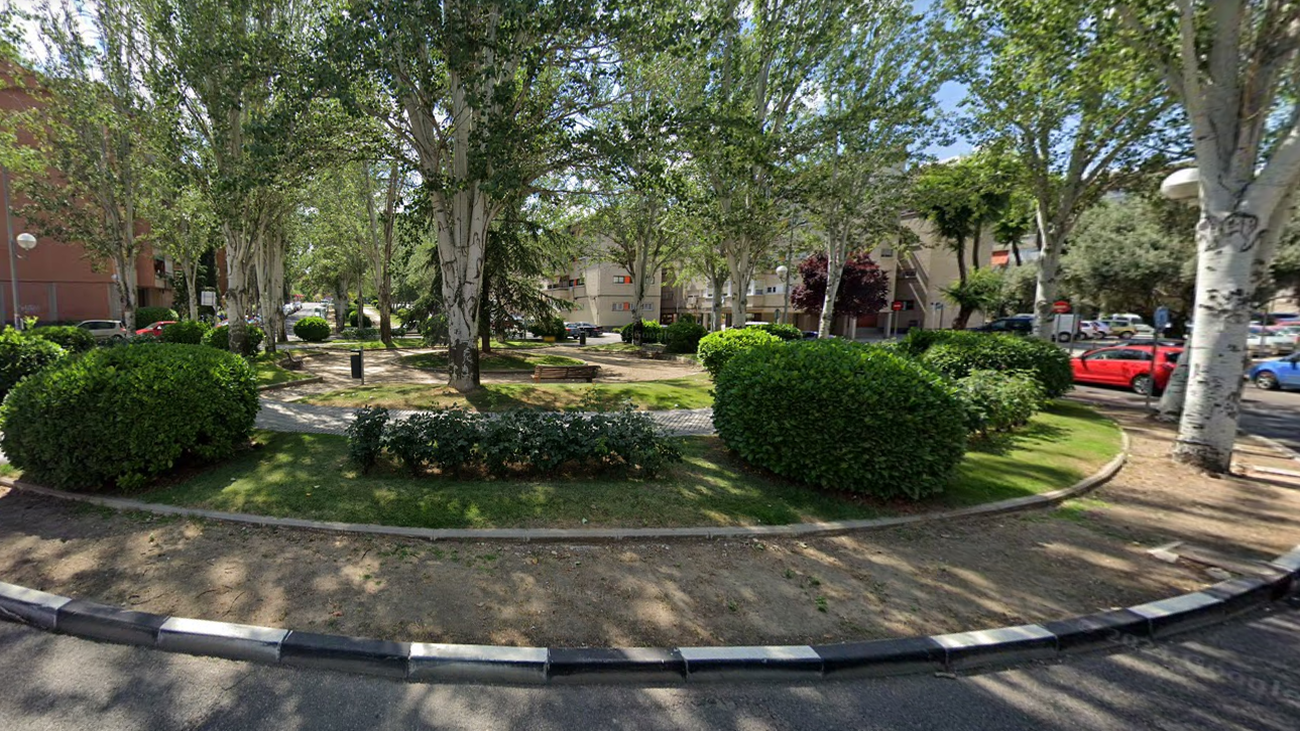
<point x="105" y="330"/>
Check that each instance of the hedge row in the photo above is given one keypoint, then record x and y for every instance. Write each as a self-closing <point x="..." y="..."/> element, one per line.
<point x="511" y="443"/>
<point x="956" y="353"/>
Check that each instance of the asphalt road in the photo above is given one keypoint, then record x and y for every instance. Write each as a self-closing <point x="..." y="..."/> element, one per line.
<point x="1240" y="676"/>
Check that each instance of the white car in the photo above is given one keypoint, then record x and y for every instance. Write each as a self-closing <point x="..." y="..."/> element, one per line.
<point x="1263" y="342"/>
<point x="1093" y="329"/>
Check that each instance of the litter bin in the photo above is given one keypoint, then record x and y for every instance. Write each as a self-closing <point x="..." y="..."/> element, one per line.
<point x="582" y="338"/>
<point x="359" y="365"/>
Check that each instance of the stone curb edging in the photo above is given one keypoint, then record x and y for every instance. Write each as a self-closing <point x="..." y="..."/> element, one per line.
<point x="290" y="384"/>
<point x="430" y="662"/>
<point x="529" y="535"/>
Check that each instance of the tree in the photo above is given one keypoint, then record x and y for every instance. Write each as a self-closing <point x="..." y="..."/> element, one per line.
<point x="983" y="290"/>
<point x="95" y="128"/>
<point x="489" y="96"/>
<point x="863" y="286"/>
<point x="879" y="89"/>
<point x="1232" y="64"/>
<point x="1052" y="79"/>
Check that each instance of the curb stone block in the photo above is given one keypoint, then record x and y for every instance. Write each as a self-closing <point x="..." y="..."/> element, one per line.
<point x="617" y="664"/>
<point x="882" y="657"/>
<point x="482" y="663"/>
<point x="1245" y="593"/>
<point x="1180" y="613"/>
<point x="1288" y="562"/>
<point x="1000" y="646"/>
<point x="791" y="662"/>
<point x="102" y="622"/>
<point x="1097" y="631"/>
<point x="221" y="639"/>
<point x="30" y="606"/>
<point x="350" y="654"/>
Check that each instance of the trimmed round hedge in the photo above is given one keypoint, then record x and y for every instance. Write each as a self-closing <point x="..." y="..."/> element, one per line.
<point x="716" y="349"/>
<point x="842" y="416"/>
<point x="955" y="353"/>
<point x="684" y="335"/>
<point x="22" y="355"/>
<point x="352" y="319"/>
<point x="219" y="338"/>
<point x="123" y="415"/>
<point x="69" y="337"/>
<point x="187" y="332"/>
<point x="312" y="329"/>
<point x="146" y="316"/>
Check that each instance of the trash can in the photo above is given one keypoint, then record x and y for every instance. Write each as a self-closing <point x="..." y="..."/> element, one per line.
<point x="358" y="365"/>
<point x="582" y="338"/>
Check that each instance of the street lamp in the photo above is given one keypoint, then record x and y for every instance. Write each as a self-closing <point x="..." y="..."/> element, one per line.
<point x="783" y="271"/>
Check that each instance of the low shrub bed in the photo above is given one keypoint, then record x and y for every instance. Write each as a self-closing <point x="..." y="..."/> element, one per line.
<point x="998" y="401"/>
<point x="717" y="349"/>
<point x="454" y="441"/>
<point x="781" y="330"/>
<point x="69" y="337"/>
<point x="956" y="353"/>
<point x="146" y="316"/>
<point x="123" y="415"/>
<point x="185" y="332"/>
<point x="651" y="332"/>
<point x="684" y="335"/>
<point x="841" y="416"/>
<point x="219" y="338"/>
<point x="22" y="356"/>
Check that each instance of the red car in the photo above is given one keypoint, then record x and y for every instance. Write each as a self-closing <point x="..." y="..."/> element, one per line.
<point x="1127" y="366"/>
<point x="154" y="329"/>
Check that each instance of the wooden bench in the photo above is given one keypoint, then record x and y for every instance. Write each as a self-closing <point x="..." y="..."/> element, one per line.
<point x="562" y="373"/>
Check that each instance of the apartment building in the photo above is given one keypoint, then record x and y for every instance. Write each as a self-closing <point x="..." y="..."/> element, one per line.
<point x="601" y="293"/>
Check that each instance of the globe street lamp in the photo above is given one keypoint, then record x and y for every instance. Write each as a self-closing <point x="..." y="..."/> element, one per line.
<point x="27" y="242"/>
<point x="783" y="271"/>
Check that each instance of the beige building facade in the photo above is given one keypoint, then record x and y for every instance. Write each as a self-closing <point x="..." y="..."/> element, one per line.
<point x="602" y="293"/>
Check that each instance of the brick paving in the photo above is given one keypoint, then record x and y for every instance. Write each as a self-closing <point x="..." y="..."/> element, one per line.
<point x="312" y="419"/>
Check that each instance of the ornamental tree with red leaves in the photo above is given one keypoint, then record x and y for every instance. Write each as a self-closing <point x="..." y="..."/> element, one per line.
<point x="863" y="286"/>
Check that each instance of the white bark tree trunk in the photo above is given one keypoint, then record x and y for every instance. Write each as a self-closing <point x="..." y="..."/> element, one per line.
<point x="835" y="255"/>
<point x="190" y="268"/>
<point x="126" y="290"/>
<point x="462" y="235"/>
<point x="1049" y="267"/>
<point x="741" y="263"/>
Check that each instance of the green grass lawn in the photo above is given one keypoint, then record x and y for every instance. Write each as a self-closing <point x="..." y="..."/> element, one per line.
<point x="403" y="342"/>
<point x="308" y="476"/>
<point x="691" y="392"/>
<point x="613" y="348"/>
<point x="492" y="361"/>
<point x="270" y="374"/>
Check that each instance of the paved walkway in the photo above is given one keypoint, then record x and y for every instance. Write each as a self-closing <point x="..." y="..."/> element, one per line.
<point x="311" y="419"/>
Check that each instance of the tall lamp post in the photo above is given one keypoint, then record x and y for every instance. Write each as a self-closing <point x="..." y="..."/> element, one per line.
<point x="25" y="240"/>
<point x="1183" y="186"/>
<point x="783" y="272"/>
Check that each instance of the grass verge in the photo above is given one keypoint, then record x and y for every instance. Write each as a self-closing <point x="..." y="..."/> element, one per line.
<point x="269" y="373"/>
<point x="308" y="476"/>
<point x="691" y="392"/>
<point x="492" y="361"/>
<point x="373" y="344"/>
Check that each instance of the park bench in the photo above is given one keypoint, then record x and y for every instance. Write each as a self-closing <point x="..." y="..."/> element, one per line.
<point x="563" y="373"/>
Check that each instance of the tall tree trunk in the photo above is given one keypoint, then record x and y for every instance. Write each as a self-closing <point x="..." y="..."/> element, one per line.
<point x="716" y="310"/>
<point x="741" y="264"/>
<point x="190" y="268"/>
<point x="835" y="255"/>
<point x="126" y="290"/>
<point x="340" y="304"/>
<point x="1049" y="264"/>
<point x="975" y="247"/>
<point x="1015" y="251"/>
<point x="462" y="236"/>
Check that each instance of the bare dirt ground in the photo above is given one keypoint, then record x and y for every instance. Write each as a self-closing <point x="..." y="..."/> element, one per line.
<point x="385" y="366"/>
<point x="1087" y="556"/>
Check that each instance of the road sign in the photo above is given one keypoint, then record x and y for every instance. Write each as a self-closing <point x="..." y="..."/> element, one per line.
<point x="1060" y="307"/>
<point x="208" y="298"/>
<point x="1162" y="318"/>
<point x="898" y="305"/>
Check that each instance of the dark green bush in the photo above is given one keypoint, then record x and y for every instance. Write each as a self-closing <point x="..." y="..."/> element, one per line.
<point x="520" y="442"/>
<point x="146" y="316"/>
<point x="219" y="338"/>
<point x="69" y="337"/>
<point x="312" y="329"/>
<point x="366" y="435"/>
<point x="955" y="353"/>
<point x="352" y="319"/>
<point x="434" y="330"/>
<point x="684" y="335"/>
<point x="358" y="333"/>
<point x="185" y="332"/>
<point x="781" y="330"/>
<point x="651" y="332"/>
<point x="841" y="416"/>
<point x="549" y="327"/>
<point x="999" y="400"/>
<point x="716" y="349"/>
<point x="124" y="415"/>
<point x="21" y="356"/>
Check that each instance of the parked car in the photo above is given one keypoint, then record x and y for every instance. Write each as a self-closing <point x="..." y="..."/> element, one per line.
<point x="155" y="329"/>
<point x="105" y="330"/>
<point x="581" y="328"/>
<point x="1018" y="325"/>
<point x="1093" y="329"/>
<point x="1125" y="328"/>
<point x="1262" y="342"/>
<point x="1276" y="373"/>
<point x="1126" y="366"/>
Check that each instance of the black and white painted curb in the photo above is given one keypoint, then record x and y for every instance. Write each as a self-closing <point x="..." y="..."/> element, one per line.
<point x="429" y="662"/>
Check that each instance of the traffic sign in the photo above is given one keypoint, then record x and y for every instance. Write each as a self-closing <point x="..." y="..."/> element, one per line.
<point x="898" y="305"/>
<point x="1162" y="318"/>
<point x="1060" y="307"/>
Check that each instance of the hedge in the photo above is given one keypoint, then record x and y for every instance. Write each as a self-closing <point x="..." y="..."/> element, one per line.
<point x="69" y="337"/>
<point x="651" y="332"/>
<point x="312" y="329"/>
<point x="146" y="316"/>
<point x="684" y="335"/>
<point x="841" y="416"/>
<point x="186" y="332"/>
<point x="956" y="353"/>
<point x="124" y="415"/>
<point x="21" y="356"/>
<point x="219" y="338"/>
<point x="999" y="400"/>
<point x="546" y="327"/>
<point x="716" y="349"/>
<point x="511" y="443"/>
<point x="781" y="330"/>
<point x="352" y="319"/>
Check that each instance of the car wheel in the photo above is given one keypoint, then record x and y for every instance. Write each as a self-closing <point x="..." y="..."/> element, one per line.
<point x="1125" y="335"/>
<point x="1142" y="384"/>
<point x="117" y="338"/>
<point x="1266" y="381"/>
<point x="1063" y="338"/>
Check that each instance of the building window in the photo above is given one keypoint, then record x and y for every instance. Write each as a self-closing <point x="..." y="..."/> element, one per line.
<point x="647" y="305"/>
<point x="622" y="306"/>
<point x="886" y="252"/>
<point x="771" y="290"/>
<point x="622" y="279"/>
<point x="907" y="274"/>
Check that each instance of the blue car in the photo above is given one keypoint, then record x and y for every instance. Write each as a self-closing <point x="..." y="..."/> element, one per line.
<point x="1277" y="373"/>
